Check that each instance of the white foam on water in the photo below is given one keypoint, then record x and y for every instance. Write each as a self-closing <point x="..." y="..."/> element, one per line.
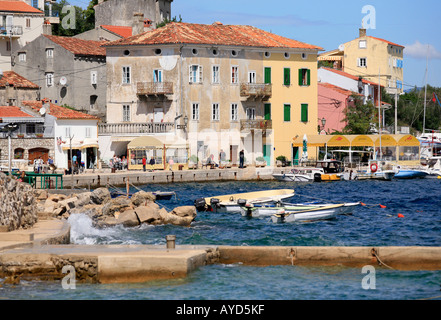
<point x="83" y="232"/>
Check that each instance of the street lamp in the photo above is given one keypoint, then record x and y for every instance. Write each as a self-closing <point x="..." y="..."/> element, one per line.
<point x="9" y="128"/>
<point x="323" y="123"/>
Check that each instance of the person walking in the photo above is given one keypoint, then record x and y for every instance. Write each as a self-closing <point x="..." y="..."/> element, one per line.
<point x="241" y="158"/>
<point x="152" y="163"/>
<point x="144" y="163"/>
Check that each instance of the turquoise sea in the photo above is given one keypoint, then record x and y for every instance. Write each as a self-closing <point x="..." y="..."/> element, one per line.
<point x="371" y="225"/>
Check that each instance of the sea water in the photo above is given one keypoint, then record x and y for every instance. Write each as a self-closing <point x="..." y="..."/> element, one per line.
<point x="375" y="224"/>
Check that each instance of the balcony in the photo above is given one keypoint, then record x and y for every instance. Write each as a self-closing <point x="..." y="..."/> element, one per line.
<point x="154" y="89"/>
<point x="126" y="129"/>
<point x="14" y="31"/>
<point x="246" y="125"/>
<point x="261" y="91"/>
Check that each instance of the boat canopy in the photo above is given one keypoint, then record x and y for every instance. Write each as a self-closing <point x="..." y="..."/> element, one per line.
<point x="387" y="140"/>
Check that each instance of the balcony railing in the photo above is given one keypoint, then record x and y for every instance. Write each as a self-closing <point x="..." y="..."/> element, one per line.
<point x="13" y="31"/>
<point x="255" y="124"/>
<point x="256" y="90"/>
<point x="134" y="128"/>
<point x="154" y="88"/>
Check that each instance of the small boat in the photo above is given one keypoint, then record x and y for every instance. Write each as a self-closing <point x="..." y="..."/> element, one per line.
<point x="266" y="211"/>
<point x="307" y="215"/>
<point x="301" y="175"/>
<point x="233" y="202"/>
<point x="411" y="174"/>
<point x="376" y="170"/>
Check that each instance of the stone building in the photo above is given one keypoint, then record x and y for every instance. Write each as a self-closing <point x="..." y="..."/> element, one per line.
<point x="14" y="89"/>
<point x="218" y="87"/>
<point x="69" y="71"/>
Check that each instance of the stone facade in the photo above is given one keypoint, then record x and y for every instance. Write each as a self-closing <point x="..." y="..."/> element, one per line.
<point x="18" y="206"/>
<point x="26" y="145"/>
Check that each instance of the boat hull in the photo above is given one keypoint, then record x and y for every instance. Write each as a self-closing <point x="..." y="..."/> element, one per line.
<point x="324" y="213"/>
<point x="411" y="174"/>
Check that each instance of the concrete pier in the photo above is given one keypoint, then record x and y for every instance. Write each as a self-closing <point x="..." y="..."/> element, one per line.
<point x="119" y="178"/>
<point x="43" y="252"/>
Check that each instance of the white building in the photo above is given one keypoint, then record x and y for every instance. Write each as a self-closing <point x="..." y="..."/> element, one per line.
<point x="71" y="130"/>
<point x="20" y="24"/>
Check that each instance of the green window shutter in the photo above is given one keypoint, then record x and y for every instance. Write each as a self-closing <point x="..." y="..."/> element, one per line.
<point x="300" y="77"/>
<point x="287" y="76"/>
<point x="267" y="75"/>
<point x="287" y="112"/>
<point x="267" y="111"/>
<point x="304" y="115"/>
<point x="308" y="77"/>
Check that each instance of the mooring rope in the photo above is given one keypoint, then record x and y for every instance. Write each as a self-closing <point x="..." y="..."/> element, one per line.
<point x="381" y="262"/>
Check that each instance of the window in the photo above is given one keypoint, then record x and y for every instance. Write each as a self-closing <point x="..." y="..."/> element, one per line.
<point x="215" y="112"/>
<point x="195" y="74"/>
<point x="157" y="75"/>
<point x="19" y="153"/>
<point x="195" y="111"/>
<point x="22" y="57"/>
<point x="362" y="44"/>
<point x="267" y="72"/>
<point x="92" y="101"/>
<point x="67" y="132"/>
<point x="234" y="116"/>
<point x="252" y="77"/>
<point x="215" y="74"/>
<point x="234" y="74"/>
<point x="304" y="113"/>
<point x="28" y="22"/>
<point x="251" y="114"/>
<point x="267" y="111"/>
<point x="287" y="76"/>
<point x="49" y="79"/>
<point x="8" y="46"/>
<point x="126" y="113"/>
<point x="126" y="75"/>
<point x="93" y="77"/>
<point x="88" y="132"/>
<point x="362" y="62"/>
<point x="304" y="77"/>
<point x="49" y="53"/>
<point x="287" y="112"/>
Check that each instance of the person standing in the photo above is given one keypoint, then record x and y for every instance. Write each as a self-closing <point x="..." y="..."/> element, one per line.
<point x="241" y="158"/>
<point x="144" y="163"/>
<point x="170" y="164"/>
<point x="152" y="164"/>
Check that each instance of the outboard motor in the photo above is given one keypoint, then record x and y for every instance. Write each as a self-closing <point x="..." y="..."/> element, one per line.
<point x="214" y="203"/>
<point x="317" y="177"/>
<point x="200" y="204"/>
<point x="242" y="202"/>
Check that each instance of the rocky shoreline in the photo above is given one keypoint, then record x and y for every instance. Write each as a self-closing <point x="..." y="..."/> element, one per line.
<point x="105" y="211"/>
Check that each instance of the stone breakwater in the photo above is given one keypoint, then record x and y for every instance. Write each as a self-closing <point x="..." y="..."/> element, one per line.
<point x="17" y="204"/>
<point x="105" y="211"/>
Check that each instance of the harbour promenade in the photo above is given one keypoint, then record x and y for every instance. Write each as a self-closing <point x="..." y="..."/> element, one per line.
<point x="102" y="178"/>
<point x="44" y="251"/>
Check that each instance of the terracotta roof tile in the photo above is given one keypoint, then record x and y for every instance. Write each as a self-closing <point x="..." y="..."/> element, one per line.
<point x="215" y="34"/>
<point x="12" y="112"/>
<point x="79" y="46"/>
<point x="17" y="6"/>
<point x="59" y="112"/>
<point x="347" y="75"/>
<point x="124" y="32"/>
<point x="12" y="78"/>
<point x="338" y="89"/>
<point x="391" y="43"/>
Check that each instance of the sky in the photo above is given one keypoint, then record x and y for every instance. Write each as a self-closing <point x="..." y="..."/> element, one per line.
<point x="413" y="24"/>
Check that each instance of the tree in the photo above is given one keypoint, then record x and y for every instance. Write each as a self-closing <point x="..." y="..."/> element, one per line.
<point x="359" y="116"/>
<point x="167" y="21"/>
<point x="84" y="19"/>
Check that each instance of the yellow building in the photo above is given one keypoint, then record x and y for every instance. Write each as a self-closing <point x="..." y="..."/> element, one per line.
<point x="370" y="58"/>
<point x="293" y="104"/>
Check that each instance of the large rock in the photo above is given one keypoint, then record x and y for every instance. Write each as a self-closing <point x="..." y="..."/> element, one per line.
<point x="142" y="198"/>
<point x="128" y="218"/>
<point x="148" y="214"/>
<point x="100" y="196"/>
<point x="185" y="211"/>
<point x="172" y="218"/>
<point x="119" y="204"/>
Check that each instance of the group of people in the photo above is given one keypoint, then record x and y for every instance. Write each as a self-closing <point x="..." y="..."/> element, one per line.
<point x="119" y="163"/>
<point x="39" y="165"/>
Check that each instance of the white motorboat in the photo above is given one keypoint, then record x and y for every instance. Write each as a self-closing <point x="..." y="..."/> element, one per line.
<point x="300" y="175"/>
<point x="308" y="215"/>
<point x="377" y="170"/>
<point x="259" y="211"/>
<point x="233" y="202"/>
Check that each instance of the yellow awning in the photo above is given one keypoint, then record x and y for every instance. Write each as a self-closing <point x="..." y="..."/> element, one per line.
<point x="407" y="141"/>
<point x="338" y="141"/>
<point x="386" y="141"/>
<point x="362" y="141"/>
<point x="145" y="142"/>
<point x="312" y="141"/>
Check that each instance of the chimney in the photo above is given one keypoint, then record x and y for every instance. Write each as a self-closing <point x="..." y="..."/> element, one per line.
<point x="47" y="28"/>
<point x="45" y="103"/>
<point x="138" y="23"/>
<point x="362" y="33"/>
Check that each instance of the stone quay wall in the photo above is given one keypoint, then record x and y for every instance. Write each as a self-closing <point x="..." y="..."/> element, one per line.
<point x="17" y="206"/>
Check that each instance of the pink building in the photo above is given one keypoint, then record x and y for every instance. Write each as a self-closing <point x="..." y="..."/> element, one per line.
<point x="332" y="103"/>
